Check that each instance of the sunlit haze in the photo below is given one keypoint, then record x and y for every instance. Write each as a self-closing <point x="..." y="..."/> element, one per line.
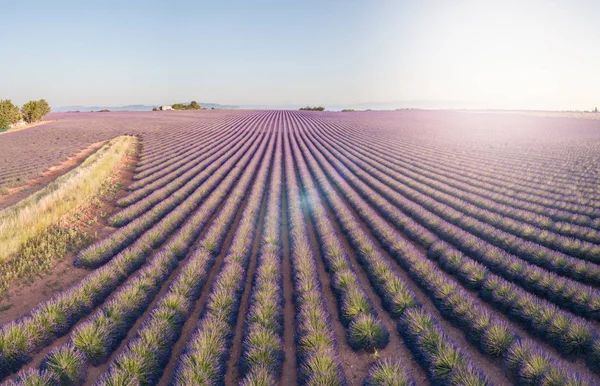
<point x="431" y="54"/>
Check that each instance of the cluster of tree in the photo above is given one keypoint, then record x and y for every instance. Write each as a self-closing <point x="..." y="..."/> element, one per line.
<point x="348" y="110"/>
<point x="9" y="113"/>
<point x="182" y="106"/>
<point x="31" y="111"/>
<point x="34" y="111"/>
<point x="105" y="111"/>
<point x="155" y="108"/>
<point x="316" y="108"/>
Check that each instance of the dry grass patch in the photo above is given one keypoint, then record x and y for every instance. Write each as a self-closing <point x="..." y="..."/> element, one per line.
<point x="46" y="225"/>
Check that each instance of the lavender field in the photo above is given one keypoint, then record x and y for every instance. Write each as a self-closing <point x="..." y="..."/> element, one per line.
<point x="325" y="248"/>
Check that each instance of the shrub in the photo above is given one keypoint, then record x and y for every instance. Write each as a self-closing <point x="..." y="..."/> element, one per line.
<point x="316" y="108"/>
<point x="182" y="106"/>
<point x="34" y="111"/>
<point x="388" y="372"/>
<point x="9" y="113"/>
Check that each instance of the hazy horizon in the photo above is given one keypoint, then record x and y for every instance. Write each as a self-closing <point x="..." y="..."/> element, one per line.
<point x="533" y="55"/>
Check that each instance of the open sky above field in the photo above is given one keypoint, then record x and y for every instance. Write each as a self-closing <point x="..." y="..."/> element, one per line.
<point x="460" y="54"/>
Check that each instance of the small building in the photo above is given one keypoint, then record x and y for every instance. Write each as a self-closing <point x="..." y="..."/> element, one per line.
<point x="164" y="108"/>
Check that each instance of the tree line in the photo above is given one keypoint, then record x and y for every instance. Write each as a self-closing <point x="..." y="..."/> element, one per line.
<point x="32" y="111"/>
<point x="316" y="108"/>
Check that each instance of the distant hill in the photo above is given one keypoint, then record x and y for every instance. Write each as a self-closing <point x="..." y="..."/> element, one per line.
<point x="63" y="109"/>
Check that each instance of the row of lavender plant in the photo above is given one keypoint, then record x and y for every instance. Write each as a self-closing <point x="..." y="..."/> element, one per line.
<point x="397" y="299"/>
<point x="133" y="257"/>
<point x="558" y="178"/>
<point x="363" y="327"/>
<point x="177" y="146"/>
<point x="177" y="143"/>
<point x="157" y="229"/>
<point x="568" y="334"/>
<point x="438" y="203"/>
<point x="172" y="158"/>
<point x="567" y="293"/>
<point x="161" y="177"/>
<point x="491" y="334"/>
<point x="96" y="338"/>
<point x="206" y="354"/>
<point x="562" y="222"/>
<point x="183" y="183"/>
<point x="529" y="213"/>
<point x="316" y="345"/>
<point x="143" y="188"/>
<point x="178" y="189"/>
<point x="567" y="245"/>
<point x="181" y="163"/>
<point x="208" y="345"/>
<point x="55" y="317"/>
<point x="577" y="334"/>
<point x="420" y="153"/>
<point x="491" y="183"/>
<point x="262" y="348"/>
<point x="153" y="156"/>
<point x="580" y="299"/>
<point x="538" y="255"/>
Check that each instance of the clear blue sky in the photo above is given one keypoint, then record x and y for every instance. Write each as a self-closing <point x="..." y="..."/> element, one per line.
<point x="504" y="54"/>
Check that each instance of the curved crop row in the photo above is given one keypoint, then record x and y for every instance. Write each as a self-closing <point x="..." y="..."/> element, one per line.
<point x="316" y="344"/>
<point x="262" y="349"/>
<point x="100" y="330"/>
<point x="150" y="349"/>
<point x="195" y="147"/>
<point x="492" y="183"/>
<point x="178" y="142"/>
<point x="181" y="173"/>
<point x="409" y="173"/>
<point x="398" y="300"/>
<point x="206" y="353"/>
<point x="389" y="186"/>
<point x="467" y="172"/>
<point x="550" y="170"/>
<point x="102" y="251"/>
<point x="179" y="189"/>
<point x="577" y="269"/>
<point x="574" y="337"/>
<point x="53" y="318"/>
<point x="363" y="328"/>
<point x="163" y="156"/>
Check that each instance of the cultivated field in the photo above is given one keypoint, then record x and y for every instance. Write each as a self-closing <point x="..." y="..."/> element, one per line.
<point x="317" y="248"/>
